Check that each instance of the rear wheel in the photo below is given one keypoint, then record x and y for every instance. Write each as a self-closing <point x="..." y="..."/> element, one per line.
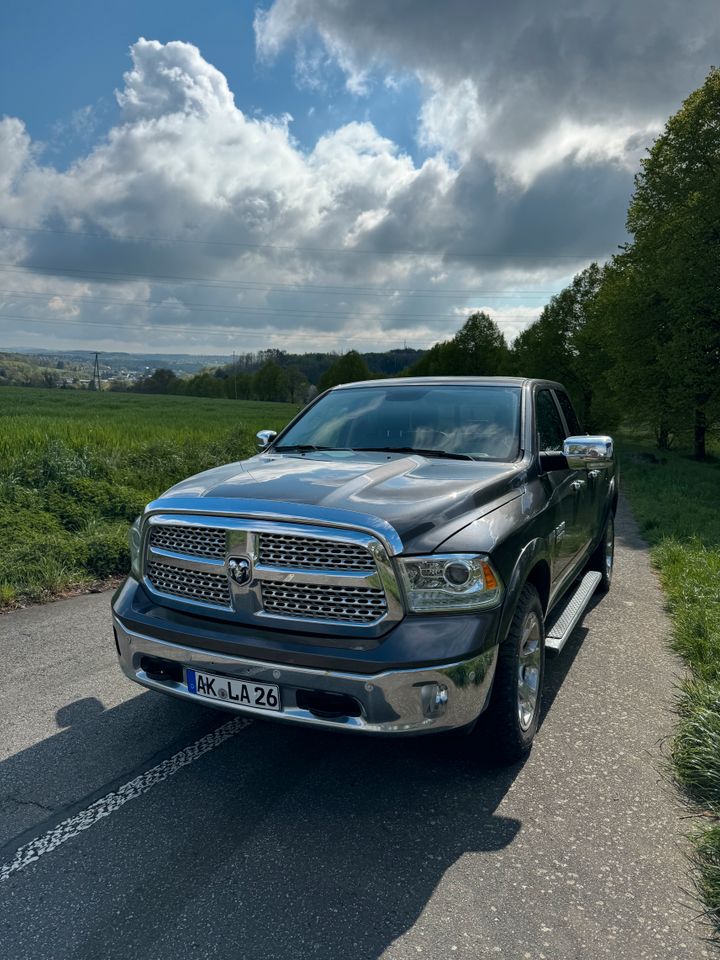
<point x="511" y="721"/>
<point x="603" y="556"/>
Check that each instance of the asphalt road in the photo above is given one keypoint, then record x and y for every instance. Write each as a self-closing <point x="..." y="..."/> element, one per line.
<point x="262" y="842"/>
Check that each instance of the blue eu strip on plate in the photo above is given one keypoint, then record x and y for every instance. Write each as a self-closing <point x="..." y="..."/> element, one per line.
<point x="191" y="683"/>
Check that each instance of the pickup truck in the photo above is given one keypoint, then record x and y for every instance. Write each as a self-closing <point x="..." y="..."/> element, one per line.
<point x="398" y="560"/>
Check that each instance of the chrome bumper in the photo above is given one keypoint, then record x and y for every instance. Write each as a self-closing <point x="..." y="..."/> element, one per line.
<point x="393" y="702"/>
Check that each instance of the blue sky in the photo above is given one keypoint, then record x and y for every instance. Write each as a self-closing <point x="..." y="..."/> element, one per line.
<point x="442" y="158"/>
<point x="58" y="58"/>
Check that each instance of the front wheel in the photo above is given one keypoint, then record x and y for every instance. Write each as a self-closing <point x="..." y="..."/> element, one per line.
<point x="511" y="721"/>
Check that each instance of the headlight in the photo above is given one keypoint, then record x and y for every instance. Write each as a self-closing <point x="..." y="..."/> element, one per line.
<point x="455" y="581"/>
<point x="134" y="537"/>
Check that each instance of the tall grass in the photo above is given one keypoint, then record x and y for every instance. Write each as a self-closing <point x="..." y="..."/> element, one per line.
<point x="77" y="467"/>
<point x="676" y="503"/>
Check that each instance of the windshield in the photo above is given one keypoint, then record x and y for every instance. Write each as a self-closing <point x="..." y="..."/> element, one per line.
<point x="481" y="421"/>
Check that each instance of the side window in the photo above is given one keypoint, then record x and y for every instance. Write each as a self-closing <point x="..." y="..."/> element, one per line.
<point x="570" y="417"/>
<point x="551" y="432"/>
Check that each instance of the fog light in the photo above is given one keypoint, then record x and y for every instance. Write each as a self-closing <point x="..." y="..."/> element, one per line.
<point x="434" y="699"/>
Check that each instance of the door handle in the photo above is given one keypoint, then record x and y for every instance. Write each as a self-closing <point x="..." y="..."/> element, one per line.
<point x="577" y="484"/>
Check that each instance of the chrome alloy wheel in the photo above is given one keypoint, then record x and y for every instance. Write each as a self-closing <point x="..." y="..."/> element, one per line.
<point x="529" y="665"/>
<point x="609" y="547"/>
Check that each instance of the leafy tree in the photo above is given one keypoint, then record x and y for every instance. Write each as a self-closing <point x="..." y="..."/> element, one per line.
<point x="271" y="382"/>
<point x="204" y="384"/>
<point x="478" y="349"/>
<point x="161" y="381"/>
<point x="297" y="383"/>
<point x="635" y="324"/>
<point x="563" y="344"/>
<point x="238" y="385"/>
<point x="674" y="218"/>
<point x="346" y="369"/>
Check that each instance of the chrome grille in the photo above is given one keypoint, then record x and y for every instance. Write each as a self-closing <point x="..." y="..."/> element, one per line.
<point x="195" y="541"/>
<point x="299" y="571"/>
<point x="315" y="602"/>
<point x="308" y="553"/>
<point x="211" y="588"/>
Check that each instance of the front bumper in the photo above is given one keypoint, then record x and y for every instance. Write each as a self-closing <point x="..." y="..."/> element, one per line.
<point x="405" y="701"/>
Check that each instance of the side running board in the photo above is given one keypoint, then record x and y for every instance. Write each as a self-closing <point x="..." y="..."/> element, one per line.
<point x="566" y="615"/>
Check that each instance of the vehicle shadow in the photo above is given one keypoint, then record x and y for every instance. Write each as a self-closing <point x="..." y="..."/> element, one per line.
<point x="282" y="843"/>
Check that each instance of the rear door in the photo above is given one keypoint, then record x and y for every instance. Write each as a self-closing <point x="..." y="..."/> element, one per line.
<point x="564" y="487"/>
<point x="591" y="492"/>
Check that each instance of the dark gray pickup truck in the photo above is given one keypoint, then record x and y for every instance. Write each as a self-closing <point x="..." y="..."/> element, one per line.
<point x="399" y="560"/>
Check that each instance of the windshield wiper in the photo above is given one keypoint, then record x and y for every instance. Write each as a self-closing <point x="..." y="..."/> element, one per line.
<point x="418" y="450"/>
<point x="302" y="448"/>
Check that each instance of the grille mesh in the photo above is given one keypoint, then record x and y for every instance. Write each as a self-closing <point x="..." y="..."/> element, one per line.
<point x="314" y="602"/>
<point x="308" y="553"/>
<point x="196" y="541"/>
<point x="211" y="588"/>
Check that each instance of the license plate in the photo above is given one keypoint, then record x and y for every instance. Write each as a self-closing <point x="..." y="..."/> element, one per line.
<point x="266" y="696"/>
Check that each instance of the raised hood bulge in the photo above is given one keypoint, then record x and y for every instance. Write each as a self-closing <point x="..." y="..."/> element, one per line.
<point x="425" y="500"/>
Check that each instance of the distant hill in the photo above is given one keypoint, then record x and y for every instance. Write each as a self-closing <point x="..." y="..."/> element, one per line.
<point x="35" y="367"/>
<point x="17" y="370"/>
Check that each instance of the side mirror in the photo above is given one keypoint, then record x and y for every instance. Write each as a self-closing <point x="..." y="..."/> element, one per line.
<point x="588" y="453"/>
<point x="264" y="438"/>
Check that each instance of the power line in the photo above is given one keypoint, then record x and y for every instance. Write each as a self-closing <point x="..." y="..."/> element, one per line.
<point x="230" y="330"/>
<point x="255" y="285"/>
<point x="509" y="255"/>
<point x="305" y="335"/>
<point x="243" y="311"/>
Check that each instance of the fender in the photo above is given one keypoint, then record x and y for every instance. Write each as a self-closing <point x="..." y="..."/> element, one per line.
<point x="534" y="551"/>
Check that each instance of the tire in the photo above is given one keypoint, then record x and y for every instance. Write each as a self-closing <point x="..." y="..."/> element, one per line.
<point x="511" y="720"/>
<point x="603" y="556"/>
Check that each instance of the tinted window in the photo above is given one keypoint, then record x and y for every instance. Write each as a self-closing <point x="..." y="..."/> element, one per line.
<point x="551" y="432"/>
<point x="570" y="418"/>
<point x="480" y="421"/>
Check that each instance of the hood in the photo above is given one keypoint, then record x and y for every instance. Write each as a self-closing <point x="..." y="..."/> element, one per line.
<point x="426" y="500"/>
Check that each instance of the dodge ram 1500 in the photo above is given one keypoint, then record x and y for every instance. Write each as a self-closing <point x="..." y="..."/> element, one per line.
<point x="400" y="559"/>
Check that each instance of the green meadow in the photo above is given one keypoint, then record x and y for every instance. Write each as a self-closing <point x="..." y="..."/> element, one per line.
<point x="76" y="467"/>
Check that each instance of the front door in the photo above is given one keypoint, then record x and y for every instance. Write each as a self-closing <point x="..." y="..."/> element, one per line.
<point x="566" y="490"/>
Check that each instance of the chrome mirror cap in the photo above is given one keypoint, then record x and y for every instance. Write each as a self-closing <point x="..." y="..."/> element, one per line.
<point x="585" y="453"/>
<point x="264" y="438"/>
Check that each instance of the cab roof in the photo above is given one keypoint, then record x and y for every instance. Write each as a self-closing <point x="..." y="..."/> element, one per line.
<point x="449" y="381"/>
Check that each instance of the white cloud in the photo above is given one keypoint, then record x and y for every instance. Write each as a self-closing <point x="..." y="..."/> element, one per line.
<point x="194" y="226"/>
<point x="452" y="120"/>
<point x="524" y="86"/>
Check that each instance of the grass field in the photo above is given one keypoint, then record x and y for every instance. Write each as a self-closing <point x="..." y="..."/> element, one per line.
<point x="676" y="503"/>
<point x="77" y="467"/>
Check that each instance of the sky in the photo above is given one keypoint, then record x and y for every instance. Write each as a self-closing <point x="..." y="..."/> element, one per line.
<point x="320" y="174"/>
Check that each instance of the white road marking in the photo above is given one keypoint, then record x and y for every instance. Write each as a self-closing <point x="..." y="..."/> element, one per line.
<point x="32" y="851"/>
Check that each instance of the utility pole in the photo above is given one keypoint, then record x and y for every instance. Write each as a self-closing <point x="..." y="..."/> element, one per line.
<point x="235" y="373"/>
<point x="96" y="373"/>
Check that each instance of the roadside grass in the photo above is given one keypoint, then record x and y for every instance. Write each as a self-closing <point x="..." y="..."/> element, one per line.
<point x="676" y="502"/>
<point x="77" y="467"/>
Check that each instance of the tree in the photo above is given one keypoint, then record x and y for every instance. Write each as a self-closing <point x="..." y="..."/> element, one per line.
<point x="478" y="349"/>
<point x="567" y="344"/>
<point x="161" y="381"/>
<point x="635" y="325"/>
<point x="297" y="383"/>
<point x="270" y="382"/>
<point x="674" y="218"/>
<point x="346" y="369"/>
